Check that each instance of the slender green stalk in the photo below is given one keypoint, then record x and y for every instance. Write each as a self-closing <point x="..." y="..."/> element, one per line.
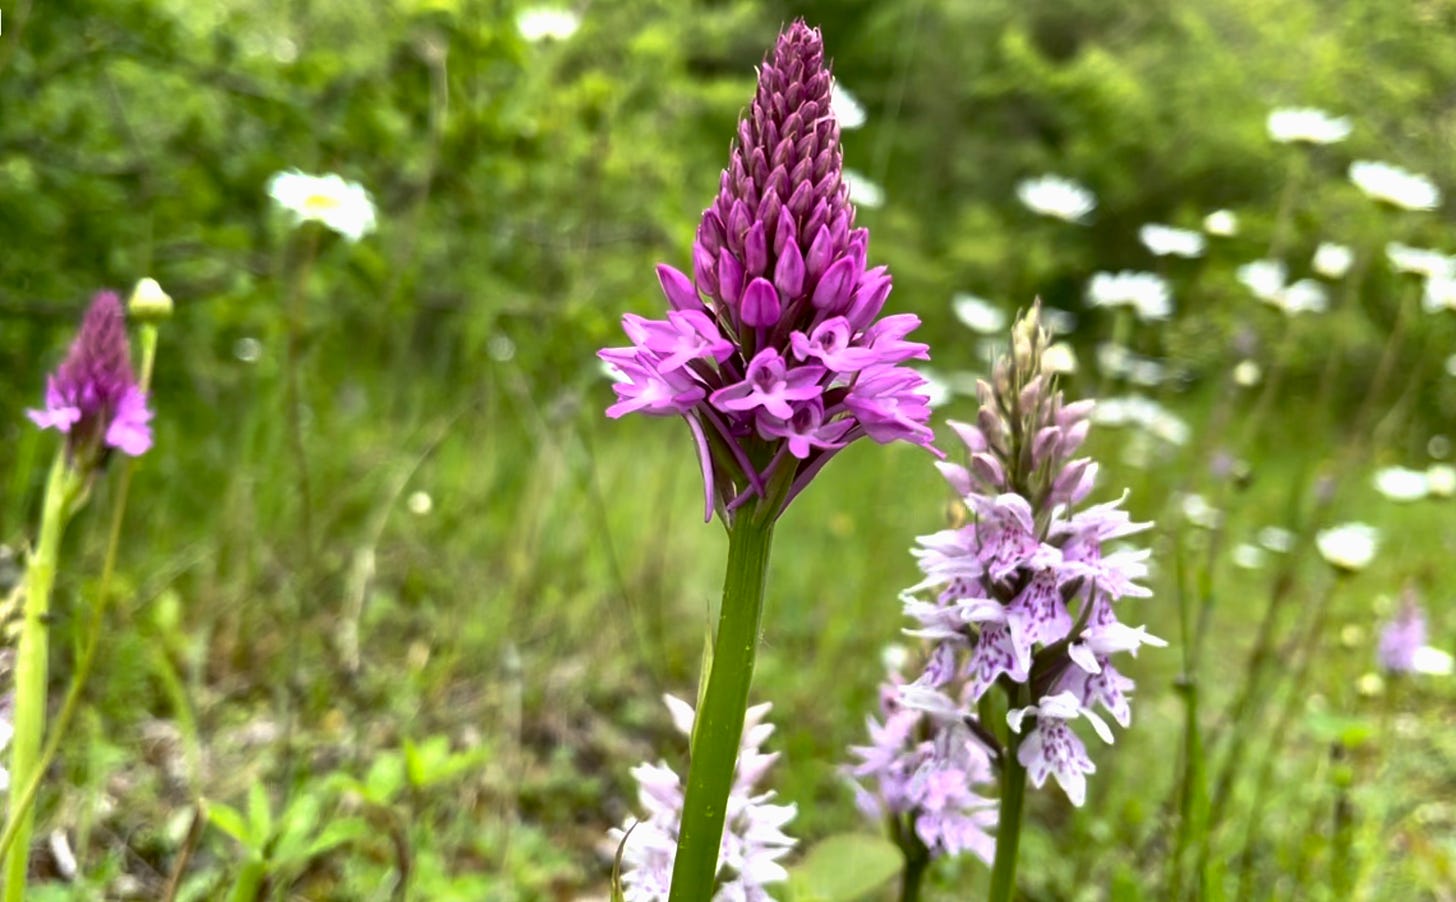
<point x="305" y="577"/>
<point x="720" y="716"/>
<point x="1300" y="657"/>
<point x="916" y="855"/>
<point x="1008" y="824"/>
<point x="31" y="664"/>
<point x="249" y="885"/>
<point x="1008" y="829"/>
<point x="912" y="877"/>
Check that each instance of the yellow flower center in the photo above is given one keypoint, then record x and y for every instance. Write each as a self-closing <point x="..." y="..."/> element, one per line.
<point x="320" y="203"/>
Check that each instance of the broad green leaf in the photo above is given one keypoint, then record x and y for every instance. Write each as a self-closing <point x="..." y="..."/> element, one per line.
<point x="260" y="814"/>
<point x="336" y="834"/>
<point x="385" y="778"/>
<point x="296" y="826"/>
<point x="230" y="821"/>
<point x="845" y="867"/>
<point x="1348" y="731"/>
<point x="414" y="764"/>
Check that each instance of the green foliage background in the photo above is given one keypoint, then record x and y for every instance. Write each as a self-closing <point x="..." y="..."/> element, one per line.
<point x="525" y="192"/>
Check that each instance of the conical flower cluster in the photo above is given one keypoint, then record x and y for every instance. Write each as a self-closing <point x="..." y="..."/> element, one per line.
<point x="93" y="396"/>
<point x="753" y="837"/>
<point x="774" y="350"/>
<point x="1025" y="592"/>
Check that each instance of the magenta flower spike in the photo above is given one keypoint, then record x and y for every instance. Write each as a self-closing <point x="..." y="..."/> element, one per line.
<point x="774" y="349"/>
<point x="93" y="397"/>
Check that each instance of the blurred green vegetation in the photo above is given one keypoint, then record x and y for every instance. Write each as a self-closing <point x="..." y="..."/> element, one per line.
<point x="559" y="580"/>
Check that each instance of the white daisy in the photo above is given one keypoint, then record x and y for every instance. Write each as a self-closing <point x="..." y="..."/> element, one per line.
<point x="1060" y="198"/>
<point x="541" y="23"/>
<point x="1395" y="186"/>
<point x="1148" y="294"/>
<point x="935" y="391"/>
<point x="1307" y="125"/>
<point x="1304" y="296"/>
<point x="1059" y="358"/>
<point x="342" y="206"/>
<point x="1222" y="223"/>
<point x="1432" y="661"/>
<point x="1420" y="261"/>
<point x="1332" y="260"/>
<point x="1439" y="294"/>
<point x="1348" y="547"/>
<point x="1441" y="480"/>
<point x="1142" y="413"/>
<point x="847" y="110"/>
<point x="1276" y="538"/>
<point x="862" y="191"/>
<point x="978" y="314"/>
<point x="1402" y="484"/>
<point x="1164" y="240"/>
<point x="1248" y="557"/>
<point x="1265" y="278"/>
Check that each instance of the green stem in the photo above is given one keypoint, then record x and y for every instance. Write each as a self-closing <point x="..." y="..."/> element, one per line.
<point x="720" y="716"/>
<point x="913" y="876"/>
<point x="1008" y="824"/>
<point x="30" y="667"/>
<point x="303" y="584"/>
<point x="249" y="885"/>
<point x="916" y="855"/>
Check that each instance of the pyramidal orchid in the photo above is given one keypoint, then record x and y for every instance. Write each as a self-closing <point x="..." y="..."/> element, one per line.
<point x="1023" y="598"/>
<point x="775" y="352"/>
<point x="774" y="349"/>
<point x="94" y="399"/>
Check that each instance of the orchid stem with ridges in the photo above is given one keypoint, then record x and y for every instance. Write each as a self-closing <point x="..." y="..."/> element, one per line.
<point x="719" y="725"/>
<point x="63" y="487"/>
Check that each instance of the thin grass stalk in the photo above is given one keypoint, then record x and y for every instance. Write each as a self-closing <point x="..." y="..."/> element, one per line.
<point x="304" y="581"/>
<point x="1304" y="656"/>
<point x="719" y="725"/>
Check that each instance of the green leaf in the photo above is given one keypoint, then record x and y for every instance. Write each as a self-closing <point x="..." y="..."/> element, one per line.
<point x="1350" y="732"/>
<point x="260" y="814"/>
<point x="296" y="826"/>
<point x="230" y="821"/>
<point x="845" y="867"/>
<point x="706" y="668"/>
<point x="617" y="865"/>
<point x="385" y="778"/>
<point x="414" y="764"/>
<point x="337" y="834"/>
